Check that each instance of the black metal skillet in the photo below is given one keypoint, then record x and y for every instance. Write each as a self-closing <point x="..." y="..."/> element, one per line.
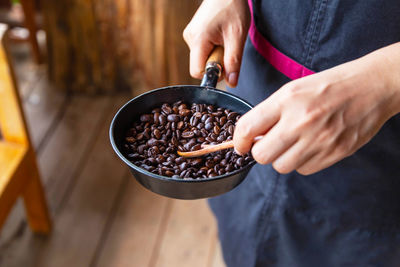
<point x="205" y="93"/>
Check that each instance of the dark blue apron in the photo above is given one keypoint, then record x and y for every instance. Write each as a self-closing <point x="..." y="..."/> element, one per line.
<point x="345" y="215"/>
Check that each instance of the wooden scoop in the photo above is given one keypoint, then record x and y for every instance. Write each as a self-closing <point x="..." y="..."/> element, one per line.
<point x="207" y="149"/>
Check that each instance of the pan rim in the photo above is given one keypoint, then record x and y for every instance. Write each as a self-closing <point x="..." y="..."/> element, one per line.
<point x="165" y="178"/>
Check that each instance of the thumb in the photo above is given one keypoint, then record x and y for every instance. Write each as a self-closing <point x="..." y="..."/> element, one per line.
<point x="198" y="57"/>
<point x="232" y="59"/>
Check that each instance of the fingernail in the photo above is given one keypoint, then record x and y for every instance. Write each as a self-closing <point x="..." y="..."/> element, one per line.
<point x="233" y="78"/>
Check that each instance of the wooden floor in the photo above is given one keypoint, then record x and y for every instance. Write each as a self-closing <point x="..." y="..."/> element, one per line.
<point x="101" y="215"/>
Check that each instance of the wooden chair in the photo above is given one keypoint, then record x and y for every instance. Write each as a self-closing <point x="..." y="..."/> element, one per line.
<point x="19" y="174"/>
<point x="29" y="21"/>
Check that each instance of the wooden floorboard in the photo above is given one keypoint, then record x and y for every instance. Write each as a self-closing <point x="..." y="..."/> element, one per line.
<point x="67" y="150"/>
<point x="43" y="108"/>
<point x="80" y="222"/>
<point x="189" y="234"/>
<point x="135" y="228"/>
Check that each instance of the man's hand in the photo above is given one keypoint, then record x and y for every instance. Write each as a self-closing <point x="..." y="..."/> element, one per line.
<point x="218" y="22"/>
<point x="311" y="123"/>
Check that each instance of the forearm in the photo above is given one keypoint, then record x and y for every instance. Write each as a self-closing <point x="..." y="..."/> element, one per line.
<point x="384" y="67"/>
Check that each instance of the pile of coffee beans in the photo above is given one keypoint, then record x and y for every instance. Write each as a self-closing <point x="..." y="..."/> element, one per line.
<point x="153" y="141"/>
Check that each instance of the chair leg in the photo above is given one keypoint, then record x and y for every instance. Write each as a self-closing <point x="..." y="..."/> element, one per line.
<point x="35" y="201"/>
<point x="28" y="7"/>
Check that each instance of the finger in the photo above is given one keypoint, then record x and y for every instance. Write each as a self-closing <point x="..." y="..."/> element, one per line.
<point x="254" y="123"/>
<point x="232" y="58"/>
<point x="198" y="57"/>
<point x="274" y="143"/>
<point x="294" y="157"/>
<point x="318" y="162"/>
<point x="343" y="147"/>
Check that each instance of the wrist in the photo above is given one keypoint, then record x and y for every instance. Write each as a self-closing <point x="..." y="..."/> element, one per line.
<point x="390" y="62"/>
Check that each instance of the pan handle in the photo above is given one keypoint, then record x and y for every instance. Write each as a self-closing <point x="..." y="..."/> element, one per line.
<point x="213" y="67"/>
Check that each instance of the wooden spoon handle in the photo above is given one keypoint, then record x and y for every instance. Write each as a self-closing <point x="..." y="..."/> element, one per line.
<point x="206" y="150"/>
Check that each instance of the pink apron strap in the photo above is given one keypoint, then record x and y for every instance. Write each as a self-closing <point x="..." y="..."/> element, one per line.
<point x="278" y="60"/>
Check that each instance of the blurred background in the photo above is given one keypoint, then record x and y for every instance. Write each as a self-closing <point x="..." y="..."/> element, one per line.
<point x="69" y="65"/>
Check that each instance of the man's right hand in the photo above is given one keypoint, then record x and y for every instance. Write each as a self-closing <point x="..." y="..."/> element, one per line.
<point x="218" y="22"/>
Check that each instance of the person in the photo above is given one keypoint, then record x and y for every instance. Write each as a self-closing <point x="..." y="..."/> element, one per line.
<point x="325" y="79"/>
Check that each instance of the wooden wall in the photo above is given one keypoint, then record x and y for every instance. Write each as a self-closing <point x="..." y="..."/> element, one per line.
<point x="106" y="45"/>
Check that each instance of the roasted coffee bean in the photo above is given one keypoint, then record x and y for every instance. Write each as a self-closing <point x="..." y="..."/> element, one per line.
<point x="232" y="115"/>
<point x="213" y="136"/>
<point x="141" y="149"/>
<point x="209" y="139"/>
<point x="180" y="125"/>
<point x="152" y="161"/>
<point x="183" y="166"/>
<point x="223" y="163"/>
<point x="153" y="140"/>
<point x="230" y="129"/>
<point x="157" y="133"/>
<point x="146" y="133"/>
<point x="196" y="162"/>
<point x="184" y="112"/>
<point x="178" y="134"/>
<point x="240" y="161"/>
<point x="209" y="126"/>
<point x="200" y="139"/>
<point x="216" y="129"/>
<point x="173" y="126"/>
<point x="154" y="151"/>
<point x="166" y="109"/>
<point x="196" y="132"/>
<point x="173" y="117"/>
<point x="216" y="168"/>
<point x="200" y="126"/>
<point x="156" y="118"/>
<point x="181" y="106"/>
<point x="139" y="136"/>
<point x="189" y="145"/>
<point x="169" y="173"/>
<point x="162" y="119"/>
<point x="198" y="115"/>
<point x="220" y="139"/>
<point x="222" y="120"/>
<point x="229" y="168"/>
<point x="188" y="134"/>
<point x="193" y="121"/>
<point x="209" y="120"/>
<point x="130" y="139"/>
<point x="217" y="158"/>
<point x="179" y="160"/>
<point x="146" y="118"/>
<point x="212" y="174"/>
<point x="195" y="147"/>
<point x="209" y="164"/>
